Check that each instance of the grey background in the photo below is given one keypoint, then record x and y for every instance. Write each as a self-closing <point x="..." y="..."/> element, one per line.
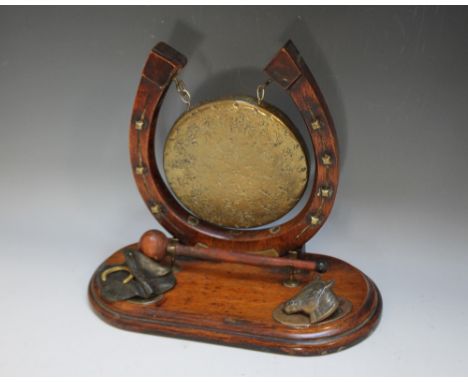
<point x="395" y="80"/>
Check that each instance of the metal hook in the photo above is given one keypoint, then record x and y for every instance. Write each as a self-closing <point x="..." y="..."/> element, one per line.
<point x="184" y="94"/>
<point x="261" y="91"/>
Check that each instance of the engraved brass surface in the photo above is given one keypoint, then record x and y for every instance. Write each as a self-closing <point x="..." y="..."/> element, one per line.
<point x="235" y="163"/>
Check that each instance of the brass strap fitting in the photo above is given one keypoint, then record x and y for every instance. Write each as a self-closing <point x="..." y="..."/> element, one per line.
<point x="117" y="268"/>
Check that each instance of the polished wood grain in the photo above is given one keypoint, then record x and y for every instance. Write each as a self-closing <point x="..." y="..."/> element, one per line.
<point x="232" y="304"/>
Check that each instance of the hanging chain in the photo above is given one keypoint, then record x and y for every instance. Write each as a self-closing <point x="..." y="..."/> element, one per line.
<point x="261" y="91"/>
<point x="184" y="94"/>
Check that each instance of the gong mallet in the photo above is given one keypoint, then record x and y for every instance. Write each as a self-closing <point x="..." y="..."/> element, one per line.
<point x="156" y="245"/>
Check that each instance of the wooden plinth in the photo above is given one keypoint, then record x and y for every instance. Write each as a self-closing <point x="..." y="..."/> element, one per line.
<point x="232" y="304"/>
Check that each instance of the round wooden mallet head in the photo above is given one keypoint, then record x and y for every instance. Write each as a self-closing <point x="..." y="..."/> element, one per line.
<point x="153" y="244"/>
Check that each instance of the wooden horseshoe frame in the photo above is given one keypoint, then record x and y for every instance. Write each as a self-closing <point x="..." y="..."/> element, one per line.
<point x="288" y="70"/>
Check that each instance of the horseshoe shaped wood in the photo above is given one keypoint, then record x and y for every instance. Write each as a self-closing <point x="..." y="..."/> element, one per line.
<point x="287" y="69"/>
<point x="229" y="303"/>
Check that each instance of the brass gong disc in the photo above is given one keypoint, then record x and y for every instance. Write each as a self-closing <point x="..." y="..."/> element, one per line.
<point x="235" y="163"/>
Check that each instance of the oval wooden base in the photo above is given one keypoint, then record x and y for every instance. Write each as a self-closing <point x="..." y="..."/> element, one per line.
<point x="232" y="304"/>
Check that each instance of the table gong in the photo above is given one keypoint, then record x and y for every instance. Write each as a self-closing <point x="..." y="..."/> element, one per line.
<point x="234" y="270"/>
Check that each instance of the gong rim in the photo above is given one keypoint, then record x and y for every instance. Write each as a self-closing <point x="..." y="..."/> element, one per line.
<point x="288" y="70"/>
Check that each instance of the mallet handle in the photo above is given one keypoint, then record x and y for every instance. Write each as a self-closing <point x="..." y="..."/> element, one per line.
<point x="228" y="256"/>
<point x="156" y="245"/>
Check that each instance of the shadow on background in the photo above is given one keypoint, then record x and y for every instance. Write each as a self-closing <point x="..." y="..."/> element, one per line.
<point x="185" y="38"/>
